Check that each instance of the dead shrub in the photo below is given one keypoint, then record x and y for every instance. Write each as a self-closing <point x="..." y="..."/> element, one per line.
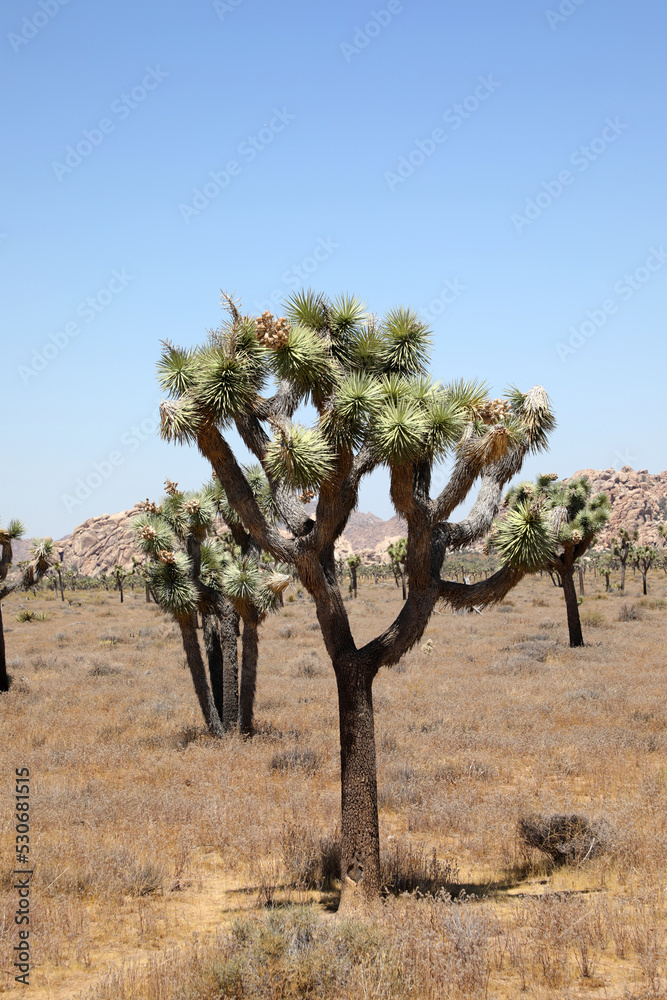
<point x="629" y="613"/>
<point x="564" y="839"/>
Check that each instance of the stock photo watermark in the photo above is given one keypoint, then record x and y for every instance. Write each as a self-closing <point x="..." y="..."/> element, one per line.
<point x="454" y="117"/>
<point x="295" y="276"/>
<point x="36" y="22"/>
<point x="222" y="7"/>
<point x="87" y="310"/>
<point x="249" y="149"/>
<point x="451" y="290"/>
<point x="564" y="11"/>
<point x="581" y="158"/>
<point x="625" y="289"/>
<point x="377" y="22"/>
<point x="100" y="472"/>
<point x="121" y="108"/>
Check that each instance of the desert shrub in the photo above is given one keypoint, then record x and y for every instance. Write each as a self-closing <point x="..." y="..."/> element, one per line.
<point x="592" y="618"/>
<point x="286" y="631"/>
<point x="629" y="613"/>
<point x="309" y="665"/>
<point x="564" y="839"/>
<point x="295" y="760"/>
<point x="100" y="668"/>
<point x="30" y="616"/>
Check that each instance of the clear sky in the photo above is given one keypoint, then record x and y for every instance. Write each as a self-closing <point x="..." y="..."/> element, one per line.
<point x="499" y="166"/>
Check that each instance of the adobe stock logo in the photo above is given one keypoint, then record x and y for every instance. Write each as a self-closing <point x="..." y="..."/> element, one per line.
<point x="31" y="26"/>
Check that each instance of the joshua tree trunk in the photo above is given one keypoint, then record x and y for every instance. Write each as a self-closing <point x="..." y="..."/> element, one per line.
<point x="211" y="631"/>
<point x="120" y="587"/>
<point x="360" y="861"/>
<point x="607" y="584"/>
<point x="60" y="581"/>
<point x="198" y="672"/>
<point x="570" y="594"/>
<point x="229" y="630"/>
<point x="353" y="571"/>
<point x="4" y="679"/>
<point x="622" y="577"/>
<point x="644" y="590"/>
<point x="248" y="676"/>
<point x="405" y="593"/>
<point x="582" y="592"/>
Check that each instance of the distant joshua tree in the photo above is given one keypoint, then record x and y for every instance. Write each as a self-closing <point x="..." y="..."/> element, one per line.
<point x="375" y="405"/>
<point x="569" y="520"/>
<point x="644" y="557"/>
<point x="622" y="548"/>
<point x="398" y="553"/>
<point x="41" y="560"/>
<point x="119" y="574"/>
<point x="353" y="562"/>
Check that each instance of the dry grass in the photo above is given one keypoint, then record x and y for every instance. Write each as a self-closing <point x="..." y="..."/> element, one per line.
<point x="145" y="829"/>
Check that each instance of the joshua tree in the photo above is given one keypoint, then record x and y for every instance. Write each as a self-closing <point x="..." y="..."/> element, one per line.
<point x="41" y="560"/>
<point x="57" y="570"/>
<point x="119" y="575"/>
<point x="352" y="563"/>
<point x="398" y="553"/>
<point x="569" y="515"/>
<point x="644" y="557"/>
<point x="622" y="548"/>
<point x="190" y="570"/>
<point x="375" y="406"/>
<point x="606" y="565"/>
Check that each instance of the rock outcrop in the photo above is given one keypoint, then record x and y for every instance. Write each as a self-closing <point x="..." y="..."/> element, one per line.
<point x="638" y="500"/>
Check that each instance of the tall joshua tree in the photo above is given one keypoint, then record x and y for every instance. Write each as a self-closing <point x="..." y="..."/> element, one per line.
<point x="398" y="552"/>
<point x="569" y="521"/>
<point x="622" y="548"/>
<point x="375" y="406"/>
<point x="644" y="558"/>
<point x="41" y="560"/>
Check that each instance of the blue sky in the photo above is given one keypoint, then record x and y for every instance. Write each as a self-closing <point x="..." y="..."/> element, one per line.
<point x="500" y="167"/>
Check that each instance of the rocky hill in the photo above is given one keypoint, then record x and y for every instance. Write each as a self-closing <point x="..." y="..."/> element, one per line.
<point x="638" y="500"/>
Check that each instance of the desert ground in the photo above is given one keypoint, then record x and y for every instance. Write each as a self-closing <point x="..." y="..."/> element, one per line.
<point x="171" y="865"/>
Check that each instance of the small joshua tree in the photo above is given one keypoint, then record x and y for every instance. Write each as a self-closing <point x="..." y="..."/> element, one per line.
<point x="622" y="548"/>
<point x="398" y="552"/>
<point x="119" y="574"/>
<point x="645" y="556"/>
<point x="375" y="406"/>
<point x="353" y="562"/>
<point x="565" y="521"/>
<point x="606" y="566"/>
<point x="41" y="560"/>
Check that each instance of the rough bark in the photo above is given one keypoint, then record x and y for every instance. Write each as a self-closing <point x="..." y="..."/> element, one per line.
<point x="250" y="649"/>
<point x="572" y="606"/>
<point x="229" y="630"/>
<point x="360" y="860"/>
<point x="4" y="678"/>
<point x="211" y="630"/>
<point x="644" y="590"/>
<point x="198" y="672"/>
